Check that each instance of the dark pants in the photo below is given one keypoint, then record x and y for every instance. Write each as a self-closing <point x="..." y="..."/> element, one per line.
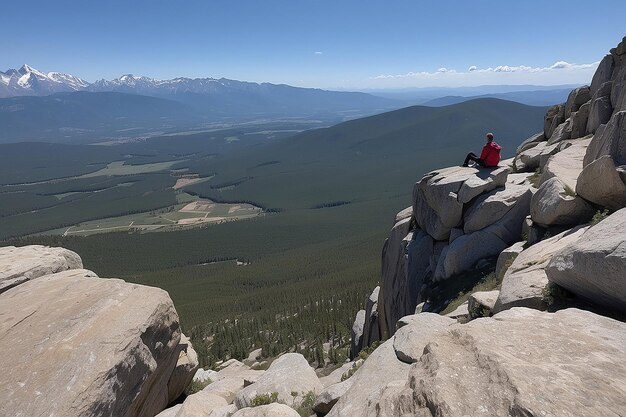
<point x="473" y="157"/>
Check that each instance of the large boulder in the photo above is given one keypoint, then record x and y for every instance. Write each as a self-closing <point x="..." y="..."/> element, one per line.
<point x="561" y="132"/>
<point x="439" y="196"/>
<point x="554" y="117"/>
<point x="525" y="280"/>
<point x="523" y="362"/>
<point x="601" y="184"/>
<point x="417" y="330"/>
<point x="579" y="121"/>
<point x="484" y="180"/>
<point x="601" y="110"/>
<point x="554" y="204"/>
<point x="602" y="74"/>
<point x="593" y="266"/>
<point x="288" y="374"/>
<point x="577" y="97"/>
<point x="618" y="90"/>
<point x="380" y="368"/>
<point x="270" y="410"/>
<point x="21" y="264"/>
<point x="490" y="207"/>
<point x="566" y="164"/>
<point x="609" y="140"/>
<point x="464" y="252"/>
<point x="87" y="347"/>
<point x="203" y="404"/>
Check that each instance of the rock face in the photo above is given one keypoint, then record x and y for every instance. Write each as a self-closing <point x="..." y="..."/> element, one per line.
<point x="18" y="265"/>
<point x="610" y="140"/>
<point x="601" y="109"/>
<point x="440" y="195"/>
<point x="567" y="164"/>
<point x="601" y="184"/>
<point x="493" y="206"/>
<point x="371" y="332"/>
<point x="526" y="278"/>
<point x="462" y="219"/>
<point x="594" y="266"/>
<point x="464" y="252"/>
<point x="357" y="334"/>
<point x="577" y="98"/>
<point x="554" y="117"/>
<point x="393" y="274"/>
<point x="523" y="362"/>
<point x="96" y="347"/>
<point x="185" y="369"/>
<point x="554" y="205"/>
<point x="290" y="373"/>
<point x="602" y="74"/>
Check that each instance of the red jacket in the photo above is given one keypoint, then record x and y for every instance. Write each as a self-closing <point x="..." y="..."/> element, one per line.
<point x="491" y="154"/>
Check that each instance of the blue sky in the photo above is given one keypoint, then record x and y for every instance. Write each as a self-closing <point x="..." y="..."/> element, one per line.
<point x="328" y="44"/>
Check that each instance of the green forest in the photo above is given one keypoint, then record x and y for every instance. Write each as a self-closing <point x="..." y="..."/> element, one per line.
<point x="291" y="279"/>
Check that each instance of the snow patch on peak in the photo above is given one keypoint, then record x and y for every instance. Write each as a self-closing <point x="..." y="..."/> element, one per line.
<point x="26" y="69"/>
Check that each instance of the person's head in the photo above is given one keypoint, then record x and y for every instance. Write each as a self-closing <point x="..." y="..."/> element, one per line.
<point x="489" y="137"/>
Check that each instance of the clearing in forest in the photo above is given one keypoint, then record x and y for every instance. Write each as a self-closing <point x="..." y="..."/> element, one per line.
<point x="189" y="213"/>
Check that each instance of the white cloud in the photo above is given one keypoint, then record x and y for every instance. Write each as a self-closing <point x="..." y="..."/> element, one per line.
<point x="318" y="52"/>
<point x="561" y="72"/>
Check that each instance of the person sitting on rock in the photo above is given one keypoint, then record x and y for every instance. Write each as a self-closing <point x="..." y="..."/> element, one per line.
<point x="489" y="157"/>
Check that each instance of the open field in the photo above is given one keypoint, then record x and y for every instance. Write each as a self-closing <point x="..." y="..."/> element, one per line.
<point x="193" y="212"/>
<point x="118" y="168"/>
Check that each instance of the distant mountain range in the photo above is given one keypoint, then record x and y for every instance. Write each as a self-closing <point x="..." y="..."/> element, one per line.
<point x="530" y="98"/>
<point x="207" y="99"/>
<point x="28" y="81"/>
<point x="211" y="96"/>
<point x="52" y="106"/>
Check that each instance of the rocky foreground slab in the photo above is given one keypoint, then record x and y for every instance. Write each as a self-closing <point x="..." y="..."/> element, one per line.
<point x="520" y="362"/>
<point x="74" y="344"/>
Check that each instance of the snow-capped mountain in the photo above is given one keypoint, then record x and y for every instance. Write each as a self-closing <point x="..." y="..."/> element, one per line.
<point x="215" y="98"/>
<point x="150" y="86"/>
<point x="28" y="81"/>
